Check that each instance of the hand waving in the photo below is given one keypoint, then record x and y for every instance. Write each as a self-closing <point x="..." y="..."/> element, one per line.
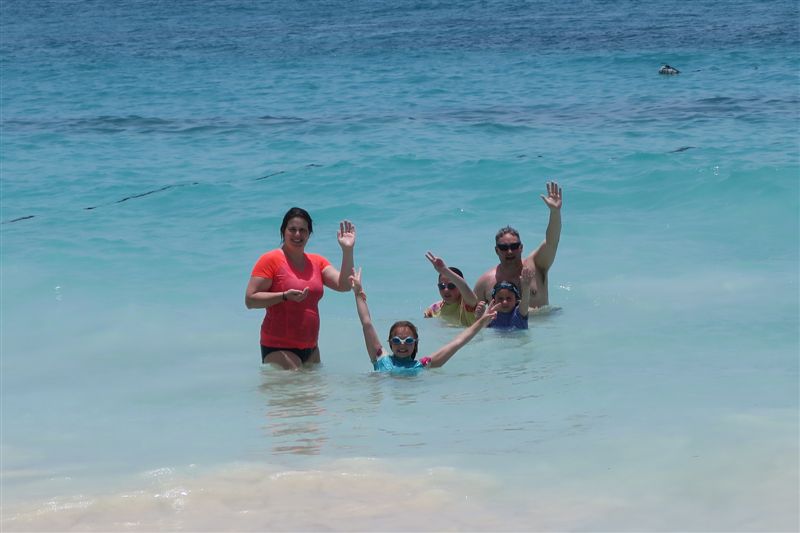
<point x="437" y="262"/>
<point x="553" y="198"/>
<point x="346" y="234"/>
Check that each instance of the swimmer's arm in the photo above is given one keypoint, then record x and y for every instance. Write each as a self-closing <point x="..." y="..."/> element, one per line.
<point x="257" y="295"/>
<point x="443" y="354"/>
<point x="467" y="296"/>
<point x="544" y="256"/>
<point x="338" y="280"/>
<point x="371" y="339"/>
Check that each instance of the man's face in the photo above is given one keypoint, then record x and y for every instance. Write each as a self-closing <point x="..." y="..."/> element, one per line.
<point x="508" y="248"/>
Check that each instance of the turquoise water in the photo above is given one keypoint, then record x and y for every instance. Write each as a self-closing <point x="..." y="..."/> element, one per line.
<point x="149" y="152"/>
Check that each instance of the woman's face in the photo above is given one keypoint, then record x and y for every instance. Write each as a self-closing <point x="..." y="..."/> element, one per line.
<point x="296" y="232"/>
<point x="402" y="349"/>
<point x="448" y="291"/>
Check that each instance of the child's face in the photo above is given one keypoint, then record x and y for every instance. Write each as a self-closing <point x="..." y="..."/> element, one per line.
<point x="507" y="300"/>
<point x="402" y="349"/>
<point x="448" y="291"/>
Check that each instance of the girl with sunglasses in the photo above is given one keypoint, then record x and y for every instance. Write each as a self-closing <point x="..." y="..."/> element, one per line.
<point x="458" y="302"/>
<point x="404" y="339"/>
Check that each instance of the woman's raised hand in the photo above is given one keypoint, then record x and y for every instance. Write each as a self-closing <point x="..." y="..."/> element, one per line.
<point x="346" y="234"/>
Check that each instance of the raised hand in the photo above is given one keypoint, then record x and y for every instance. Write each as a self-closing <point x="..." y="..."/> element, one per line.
<point x="490" y="314"/>
<point x="355" y="281"/>
<point x="296" y="295"/>
<point x="526" y="277"/>
<point x="480" y="309"/>
<point x="346" y="234"/>
<point x="437" y="262"/>
<point x="553" y="198"/>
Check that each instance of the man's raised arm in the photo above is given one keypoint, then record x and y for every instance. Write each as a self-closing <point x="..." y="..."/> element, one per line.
<point x="545" y="254"/>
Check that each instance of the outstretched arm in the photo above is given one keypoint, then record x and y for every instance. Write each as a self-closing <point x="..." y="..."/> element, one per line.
<point x="443" y="354"/>
<point x="338" y="280"/>
<point x="525" y="291"/>
<point x="545" y="254"/>
<point x="370" y="335"/>
<point x="439" y="265"/>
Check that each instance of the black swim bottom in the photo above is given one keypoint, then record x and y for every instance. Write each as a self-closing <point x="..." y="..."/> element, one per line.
<point x="302" y="353"/>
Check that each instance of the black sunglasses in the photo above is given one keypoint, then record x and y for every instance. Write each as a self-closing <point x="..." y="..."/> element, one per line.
<point x="506" y="247"/>
<point x="443" y="286"/>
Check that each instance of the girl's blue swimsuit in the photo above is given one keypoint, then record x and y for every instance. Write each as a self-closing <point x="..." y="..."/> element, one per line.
<point x="512" y="320"/>
<point x="399" y="365"/>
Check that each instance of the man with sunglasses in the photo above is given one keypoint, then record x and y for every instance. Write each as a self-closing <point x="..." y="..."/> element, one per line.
<point x="509" y="248"/>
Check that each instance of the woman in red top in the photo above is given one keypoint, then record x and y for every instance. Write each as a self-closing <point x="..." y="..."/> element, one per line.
<point x="288" y="283"/>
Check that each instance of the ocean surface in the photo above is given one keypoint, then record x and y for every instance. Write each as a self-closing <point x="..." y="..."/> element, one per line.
<point x="149" y="150"/>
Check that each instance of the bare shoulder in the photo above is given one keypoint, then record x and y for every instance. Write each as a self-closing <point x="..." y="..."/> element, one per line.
<point x="488" y="275"/>
<point x="486" y="279"/>
<point x="485" y="283"/>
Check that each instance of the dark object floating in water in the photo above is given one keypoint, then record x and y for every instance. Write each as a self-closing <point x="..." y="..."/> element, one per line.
<point x="270" y="175"/>
<point x="164" y="188"/>
<point x="668" y="70"/>
<point x="681" y="149"/>
<point x="281" y="120"/>
<point x="310" y="165"/>
<point x="18" y="219"/>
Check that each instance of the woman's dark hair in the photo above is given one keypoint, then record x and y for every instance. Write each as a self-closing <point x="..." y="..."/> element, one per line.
<point x="457" y="271"/>
<point x="296" y="212"/>
<point x="409" y="325"/>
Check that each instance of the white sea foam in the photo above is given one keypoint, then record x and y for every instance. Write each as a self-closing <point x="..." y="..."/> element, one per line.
<point x="380" y="495"/>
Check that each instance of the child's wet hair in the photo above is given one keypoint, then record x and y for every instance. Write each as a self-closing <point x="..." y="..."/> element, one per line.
<point x="506" y="285"/>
